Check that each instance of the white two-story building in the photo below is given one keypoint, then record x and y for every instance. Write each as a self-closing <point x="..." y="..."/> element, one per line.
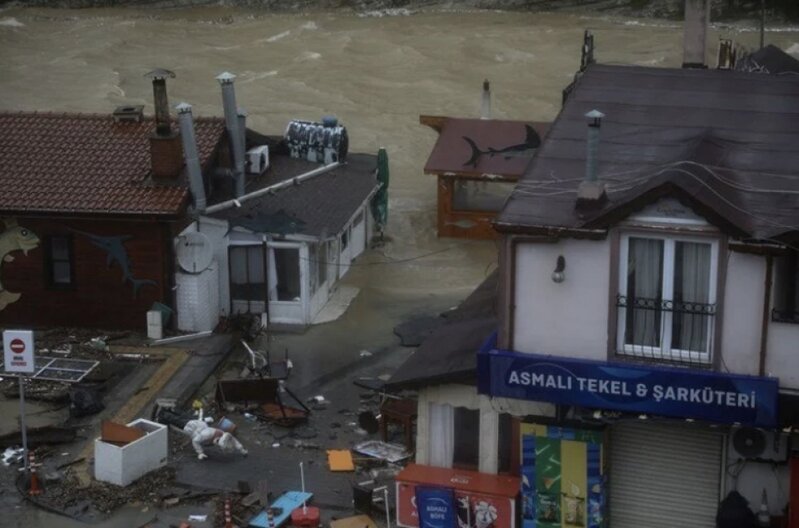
<point x="646" y="358"/>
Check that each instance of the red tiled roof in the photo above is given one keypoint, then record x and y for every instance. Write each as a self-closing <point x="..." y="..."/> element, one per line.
<point x="83" y="163"/>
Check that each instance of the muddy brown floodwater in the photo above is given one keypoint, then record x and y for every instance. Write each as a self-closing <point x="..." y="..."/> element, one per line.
<point x="376" y="73"/>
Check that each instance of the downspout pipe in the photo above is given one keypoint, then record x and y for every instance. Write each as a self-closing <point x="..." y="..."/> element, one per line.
<point x="241" y="117"/>
<point x="233" y="128"/>
<point x="192" y="157"/>
<point x="766" y="315"/>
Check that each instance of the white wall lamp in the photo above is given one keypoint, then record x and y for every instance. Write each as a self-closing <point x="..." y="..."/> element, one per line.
<point x="558" y="276"/>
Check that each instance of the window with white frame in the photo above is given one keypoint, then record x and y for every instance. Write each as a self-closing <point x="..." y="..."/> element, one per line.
<point x="667" y="297"/>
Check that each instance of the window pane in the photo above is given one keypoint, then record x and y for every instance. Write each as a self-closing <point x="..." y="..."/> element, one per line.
<point x="786" y="285"/>
<point x="466" y="453"/>
<point x="690" y="322"/>
<point x="255" y="264"/>
<point x="238" y="265"/>
<point x="61" y="273"/>
<point x="473" y="195"/>
<point x="59" y="248"/>
<point x="644" y="292"/>
<point x="287" y="263"/>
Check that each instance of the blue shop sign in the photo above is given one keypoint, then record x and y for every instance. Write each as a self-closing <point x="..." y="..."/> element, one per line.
<point x="683" y="393"/>
<point x="436" y="507"/>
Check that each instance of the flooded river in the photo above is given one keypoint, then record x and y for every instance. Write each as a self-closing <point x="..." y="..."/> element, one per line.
<point x="376" y="73"/>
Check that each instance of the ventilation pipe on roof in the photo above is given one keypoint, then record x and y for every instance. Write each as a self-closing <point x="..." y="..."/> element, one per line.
<point x="697" y="17"/>
<point x="192" y="157"/>
<point x="163" y="127"/>
<point x="241" y="117"/>
<point x="591" y="190"/>
<point x="485" y="107"/>
<point x="233" y="129"/>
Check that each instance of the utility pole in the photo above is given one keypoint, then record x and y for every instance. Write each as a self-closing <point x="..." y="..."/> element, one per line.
<point x="762" y="23"/>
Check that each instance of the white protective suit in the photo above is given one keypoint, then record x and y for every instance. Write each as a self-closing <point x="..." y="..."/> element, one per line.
<point x="203" y="434"/>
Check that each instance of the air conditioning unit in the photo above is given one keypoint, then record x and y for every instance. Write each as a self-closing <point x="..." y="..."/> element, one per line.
<point x="750" y="443"/>
<point x="257" y="160"/>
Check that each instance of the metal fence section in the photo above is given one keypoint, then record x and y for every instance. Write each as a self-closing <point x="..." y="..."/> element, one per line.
<point x="678" y="331"/>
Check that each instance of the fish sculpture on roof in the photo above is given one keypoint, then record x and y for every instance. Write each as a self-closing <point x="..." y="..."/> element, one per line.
<point x="14" y="238"/>
<point x="520" y="150"/>
<point x="114" y="246"/>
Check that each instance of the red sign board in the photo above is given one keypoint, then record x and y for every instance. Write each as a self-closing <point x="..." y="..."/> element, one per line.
<point x="482" y="501"/>
<point x="17" y="346"/>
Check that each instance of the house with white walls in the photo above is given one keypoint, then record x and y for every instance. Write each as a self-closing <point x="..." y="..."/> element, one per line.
<point x="280" y="250"/>
<point x="273" y="233"/>
<point x="643" y="364"/>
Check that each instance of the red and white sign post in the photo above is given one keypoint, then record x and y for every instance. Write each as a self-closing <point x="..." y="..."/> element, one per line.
<point x="18" y="358"/>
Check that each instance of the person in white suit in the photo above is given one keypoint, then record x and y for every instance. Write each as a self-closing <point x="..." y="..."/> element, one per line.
<point x="203" y="434"/>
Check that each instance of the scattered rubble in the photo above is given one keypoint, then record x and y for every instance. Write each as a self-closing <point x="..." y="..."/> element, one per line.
<point x="72" y="498"/>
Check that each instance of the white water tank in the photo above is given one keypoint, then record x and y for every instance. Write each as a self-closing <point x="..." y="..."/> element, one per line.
<point x="198" y="299"/>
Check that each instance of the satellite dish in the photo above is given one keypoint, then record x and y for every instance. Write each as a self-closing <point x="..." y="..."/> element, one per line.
<point x="194" y="252"/>
<point x="749" y="442"/>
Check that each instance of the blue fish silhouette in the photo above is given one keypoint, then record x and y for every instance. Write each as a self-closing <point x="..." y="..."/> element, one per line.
<point x="115" y="247"/>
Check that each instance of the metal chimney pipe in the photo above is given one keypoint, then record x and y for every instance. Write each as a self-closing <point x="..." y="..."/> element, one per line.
<point x="192" y="157"/>
<point x="485" y="109"/>
<point x="594" y="123"/>
<point x="697" y="17"/>
<point x="231" y="122"/>
<point x="163" y="127"/>
<point x="241" y="115"/>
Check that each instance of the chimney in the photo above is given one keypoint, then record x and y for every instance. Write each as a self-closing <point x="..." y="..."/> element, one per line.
<point x="591" y="191"/>
<point x="485" y="107"/>
<point x="192" y="158"/>
<point x="241" y="117"/>
<point x="697" y="17"/>
<point x="725" y="59"/>
<point x="166" y="156"/>
<point x="233" y="129"/>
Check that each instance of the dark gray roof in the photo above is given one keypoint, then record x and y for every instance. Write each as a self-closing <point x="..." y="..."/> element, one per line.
<point x="449" y="354"/>
<point x="319" y="206"/>
<point x="722" y="142"/>
<point x="770" y="59"/>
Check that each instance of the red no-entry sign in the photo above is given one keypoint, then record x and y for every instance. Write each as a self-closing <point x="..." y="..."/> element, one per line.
<point x="18" y="351"/>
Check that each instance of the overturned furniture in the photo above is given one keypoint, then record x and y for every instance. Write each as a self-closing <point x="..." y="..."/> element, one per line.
<point x="123" y="453"/>
<point x="263" y="397"/>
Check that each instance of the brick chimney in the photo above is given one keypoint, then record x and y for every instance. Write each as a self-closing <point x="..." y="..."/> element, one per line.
<point x="166" y="151"/>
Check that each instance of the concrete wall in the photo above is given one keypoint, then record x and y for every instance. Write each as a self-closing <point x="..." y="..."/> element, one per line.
<point x="743" y="313"/>
<point x="122" y="465"/>
<point x="571" y="318"/>
<point x="566" y="319"/>
<point x="782" y="353"/>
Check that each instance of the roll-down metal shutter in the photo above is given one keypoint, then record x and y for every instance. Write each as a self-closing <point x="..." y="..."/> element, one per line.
<point x="664" y="476"/>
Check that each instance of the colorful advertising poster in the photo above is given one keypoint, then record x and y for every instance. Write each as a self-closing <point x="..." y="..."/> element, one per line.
<point x="562" y="483"/>
<point x="435" y="507"/>
<point x="480" y="500"/>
